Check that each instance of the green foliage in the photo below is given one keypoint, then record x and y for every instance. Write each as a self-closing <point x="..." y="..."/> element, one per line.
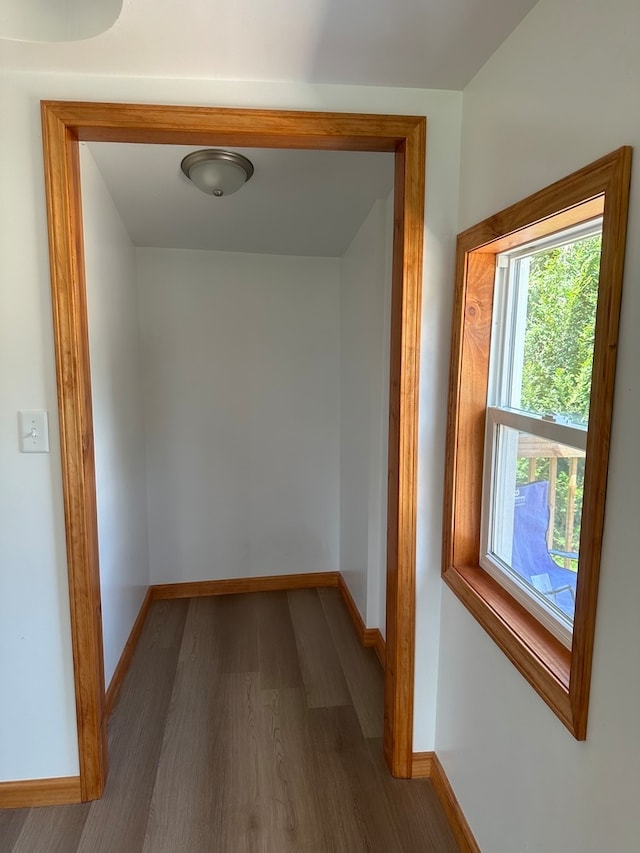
<point x="558" y="353"/>
<point x="558" y="357"/>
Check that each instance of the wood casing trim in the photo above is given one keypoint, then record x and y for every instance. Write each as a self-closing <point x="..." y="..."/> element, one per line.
<point x="64" y="125"/>
<point x="113" y="691"/>
<point x="561" y="677"/>
<point x="406" y="298"/>
<point x="28" y="793"/>
<point x="66" y="258"/>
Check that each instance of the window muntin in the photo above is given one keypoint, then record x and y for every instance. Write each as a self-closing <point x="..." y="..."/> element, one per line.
<point x="540" y="366"/>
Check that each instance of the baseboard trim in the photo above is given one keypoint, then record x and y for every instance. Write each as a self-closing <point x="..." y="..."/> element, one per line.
<point x="272" y="583"/>
<point x="422" y="765"/>
<point x="373" y="637"/>
<point x="427" y="765"/>
<point x="113" y="691"/>
<point x="268" y="583"/>
<point x="367" y="636"/>
<point x="40" y="792"/>
<point x="354" y="613"/>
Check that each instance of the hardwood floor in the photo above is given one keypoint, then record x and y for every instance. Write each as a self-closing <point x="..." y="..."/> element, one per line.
<point x="246" y="724"/>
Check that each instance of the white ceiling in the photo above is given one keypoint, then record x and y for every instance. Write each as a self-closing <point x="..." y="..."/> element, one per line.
<point x="431" y="44"/>
<point x="297" y="202"/>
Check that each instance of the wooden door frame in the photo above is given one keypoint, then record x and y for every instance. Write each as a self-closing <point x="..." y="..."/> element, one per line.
<point x="65" y="124"/>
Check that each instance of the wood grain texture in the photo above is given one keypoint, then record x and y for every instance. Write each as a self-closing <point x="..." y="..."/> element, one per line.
<point x="410" y="799"/>
<point x="205" y="759"/>
<point x="422" y="765"/>
<point x="66" y="258"/>
<point x="296" y="822"/>
<point x="117" y="822"/>
<point x="240" y="651"/>
<point x="12" y="822"/>
<point x="360" y="665"/>
<point x="279" y="663"/>
<point x="451" y="807"/>
<point x="186" y="804"/>
<point x="544" y="210"/>
<point x="247" y="818"/>
<point x="560" y="677"/>
<point x="335" y="734"/>
<point x="368" y="636"/>
<point x="39" y="792"/>
<point x="56" y="830"/>
<point x="117" y="122"/>
<point x="365" y="788"/>
<point x="616" y="169"/>
<point x="233" y="586"/>
<point x="322" y="675"/>
<point x="567" y="218"/>
<point x="64" y="124"/>
<point x="352" y="609"/>
<point x="406" y="303"/>
<point x="373" y="637"/>
<point x="468" y="397"/>
<point x="113" y="691"/>
<point x="546" y="663"/>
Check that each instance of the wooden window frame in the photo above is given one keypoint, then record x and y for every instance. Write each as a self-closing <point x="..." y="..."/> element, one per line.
<point x="561" y="676"/>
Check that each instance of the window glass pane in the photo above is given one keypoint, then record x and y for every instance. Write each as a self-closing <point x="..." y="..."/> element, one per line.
<point x="536" y="514"/>
<point x="553" y="331"/>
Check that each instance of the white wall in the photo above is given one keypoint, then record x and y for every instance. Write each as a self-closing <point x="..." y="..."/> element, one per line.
<point x="266" y="389"/>
<point x="118" y="426"/>
<point x="241" y="364"/>
<point x="37" y="713"/>
<point x="365" y="304"/>
<point x="561" y="92"/>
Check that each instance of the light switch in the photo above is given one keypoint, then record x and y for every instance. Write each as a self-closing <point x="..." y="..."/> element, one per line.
<point x="33" y="426"/>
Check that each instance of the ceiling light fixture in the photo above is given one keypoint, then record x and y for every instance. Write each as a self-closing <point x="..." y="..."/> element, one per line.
<point x="217" y="172"/>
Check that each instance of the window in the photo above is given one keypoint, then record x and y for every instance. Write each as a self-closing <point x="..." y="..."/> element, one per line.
<point x="533" y="359"/>
<point x="540" y="367"/>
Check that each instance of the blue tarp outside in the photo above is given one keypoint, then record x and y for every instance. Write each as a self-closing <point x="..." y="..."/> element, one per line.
<point x="530" y="557"/>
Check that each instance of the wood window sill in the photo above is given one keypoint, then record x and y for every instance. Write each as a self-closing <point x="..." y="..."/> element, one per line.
<point x="534" y="651"/>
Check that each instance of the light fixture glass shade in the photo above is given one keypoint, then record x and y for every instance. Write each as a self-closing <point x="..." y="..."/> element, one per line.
<point x="57" y="20"/>
<point x="217" y="172"/>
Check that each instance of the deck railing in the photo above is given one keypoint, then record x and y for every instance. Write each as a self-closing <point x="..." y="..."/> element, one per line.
<point x="533" y="448"/>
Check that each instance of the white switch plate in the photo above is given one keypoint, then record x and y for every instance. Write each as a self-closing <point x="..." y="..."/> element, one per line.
<point x="33" y="426"/>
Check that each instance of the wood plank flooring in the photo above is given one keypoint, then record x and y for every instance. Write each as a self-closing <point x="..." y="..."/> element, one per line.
<point x="246" y="724"/>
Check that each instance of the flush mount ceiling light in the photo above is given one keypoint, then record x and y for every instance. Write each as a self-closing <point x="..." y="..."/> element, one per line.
<point x="217" y="172"/>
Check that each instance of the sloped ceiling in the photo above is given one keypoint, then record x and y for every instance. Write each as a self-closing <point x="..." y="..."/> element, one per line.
<point x="297" y="202"/>
<point x="431" y="44"/>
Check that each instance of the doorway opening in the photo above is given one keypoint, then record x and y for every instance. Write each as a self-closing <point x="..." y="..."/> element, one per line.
<point x="65" y="125"/>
